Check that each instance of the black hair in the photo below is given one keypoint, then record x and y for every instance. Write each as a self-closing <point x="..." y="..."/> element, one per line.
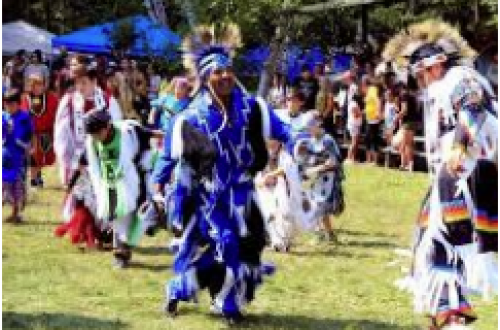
<point x="298" y="94"/>
<point x="425" y="51"/>
<point x="412" y="84"/>
<point x="38" y="54"/>
<point x="12" y="95"/>
<point x="97" y="120"/>
<point x="358" y="99"/>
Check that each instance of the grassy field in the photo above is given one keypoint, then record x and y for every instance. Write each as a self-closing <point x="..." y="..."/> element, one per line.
<point x="48" y="284"/>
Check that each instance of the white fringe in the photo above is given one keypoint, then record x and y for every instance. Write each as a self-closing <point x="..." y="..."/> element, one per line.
<point x="457" y="327"/>
<point x="430" y="287"/>
<point x="481" y="271"/>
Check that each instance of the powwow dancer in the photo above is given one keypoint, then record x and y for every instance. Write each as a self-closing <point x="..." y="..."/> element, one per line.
<point x="118" y="156"/>
<point x="42" y="107"/>
<point x="274" y="198"/>
<point x="69" y="145"/>
<point x="218" y="144"/>
<point x="17" y="130"/>
<point x="457" y="230"/>
<point x="321" y="175"/>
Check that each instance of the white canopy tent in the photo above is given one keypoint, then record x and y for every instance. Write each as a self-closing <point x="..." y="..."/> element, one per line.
<point x="21" y="35"/>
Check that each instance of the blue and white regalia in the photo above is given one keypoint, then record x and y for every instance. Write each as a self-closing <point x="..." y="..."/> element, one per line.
<point x="210" y="158"/>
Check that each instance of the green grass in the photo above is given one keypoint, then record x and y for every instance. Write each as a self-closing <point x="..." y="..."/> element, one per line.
<point x="49" y="284"/>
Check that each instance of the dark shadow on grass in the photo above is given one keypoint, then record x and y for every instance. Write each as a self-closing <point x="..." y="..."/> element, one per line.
<point x="151" y="250"/>
<point x="43" y="223"/>
<point x="371" y="244"/>
<point x="153" y="268"/>
<point x="331" y="252"/>
<point x="349" y="232"/>
<point x="50" y="188"/>
<point x="270" y="321"/>
<point x="15" y="320"/>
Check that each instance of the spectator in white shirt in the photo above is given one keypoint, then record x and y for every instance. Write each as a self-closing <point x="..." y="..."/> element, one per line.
<point x="354" y="122"/>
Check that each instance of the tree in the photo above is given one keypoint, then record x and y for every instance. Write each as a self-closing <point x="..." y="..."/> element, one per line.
<point x="122" y="36"/>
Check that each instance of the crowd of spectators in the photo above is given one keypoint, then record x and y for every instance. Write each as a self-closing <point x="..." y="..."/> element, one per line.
<point x="362" y="107"/>
<point x="134" y="84"/>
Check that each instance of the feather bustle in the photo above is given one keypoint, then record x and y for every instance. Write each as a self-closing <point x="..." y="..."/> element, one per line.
<point x="427" y="32"/>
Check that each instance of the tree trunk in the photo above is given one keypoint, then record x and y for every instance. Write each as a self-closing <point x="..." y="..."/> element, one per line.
<point x="47" y="11"/>
<point x="276" y="52"/>
<point x="475" y="8"/>
<point x="412" y="6"/>
<point x="364" y="24"/>
<point x="270" y="66"/>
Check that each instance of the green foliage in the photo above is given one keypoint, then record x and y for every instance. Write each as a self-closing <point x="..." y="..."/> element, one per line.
<point x="259" y="19"/>
<point x="123" y="35"/>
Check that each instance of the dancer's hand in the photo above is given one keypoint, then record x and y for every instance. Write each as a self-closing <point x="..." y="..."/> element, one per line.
<point x="270" y="180"/>
<point x="312" y="172"/>
<point x="159" y="201"/>
<point x="454" y="163"/>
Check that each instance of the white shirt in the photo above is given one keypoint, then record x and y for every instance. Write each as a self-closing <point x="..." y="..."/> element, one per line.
<point x="341" y="98"/>
<point x="389" y="114"/>
<point x="351" y="120"/>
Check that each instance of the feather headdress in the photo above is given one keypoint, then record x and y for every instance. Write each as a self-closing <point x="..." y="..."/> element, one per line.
<point x="432" y="32"/>
<point x="210" y="47"/>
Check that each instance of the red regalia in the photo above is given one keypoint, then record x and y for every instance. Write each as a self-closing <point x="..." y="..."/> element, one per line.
<point x="43" y="111"/>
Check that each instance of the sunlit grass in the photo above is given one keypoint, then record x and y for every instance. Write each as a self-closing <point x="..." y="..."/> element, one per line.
<point x="49" y="284"/>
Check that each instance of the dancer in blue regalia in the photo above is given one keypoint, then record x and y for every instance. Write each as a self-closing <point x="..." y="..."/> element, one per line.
<point x="212" y="152"/>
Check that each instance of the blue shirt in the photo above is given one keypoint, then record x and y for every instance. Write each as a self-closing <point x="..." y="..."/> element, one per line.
<point x="17" y="130"/>
<point x="167" y="107"/>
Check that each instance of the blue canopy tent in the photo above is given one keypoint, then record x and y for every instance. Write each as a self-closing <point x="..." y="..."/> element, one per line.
<point x="295" y="59"/>
<point x="152" y="39"/>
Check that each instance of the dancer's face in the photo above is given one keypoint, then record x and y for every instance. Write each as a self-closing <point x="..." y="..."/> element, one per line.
<point x="85" y="86"/>
<point x="222" y="81"/>
<point x="273" y="146"/>
<point x="11" y="106"/>
<point x="316" y="130"/>
<point x="103" y="135"/>
<point x="295" y="104"/>
<point x="37" y="87"/>
<point x="431" y="74"/>
<point x="182" y="91"/>
<point x="74" y="66"/>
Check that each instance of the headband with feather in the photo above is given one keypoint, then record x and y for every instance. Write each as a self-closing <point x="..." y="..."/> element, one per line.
<point x="426" y="43"/>
<point x="209" y="48"/>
